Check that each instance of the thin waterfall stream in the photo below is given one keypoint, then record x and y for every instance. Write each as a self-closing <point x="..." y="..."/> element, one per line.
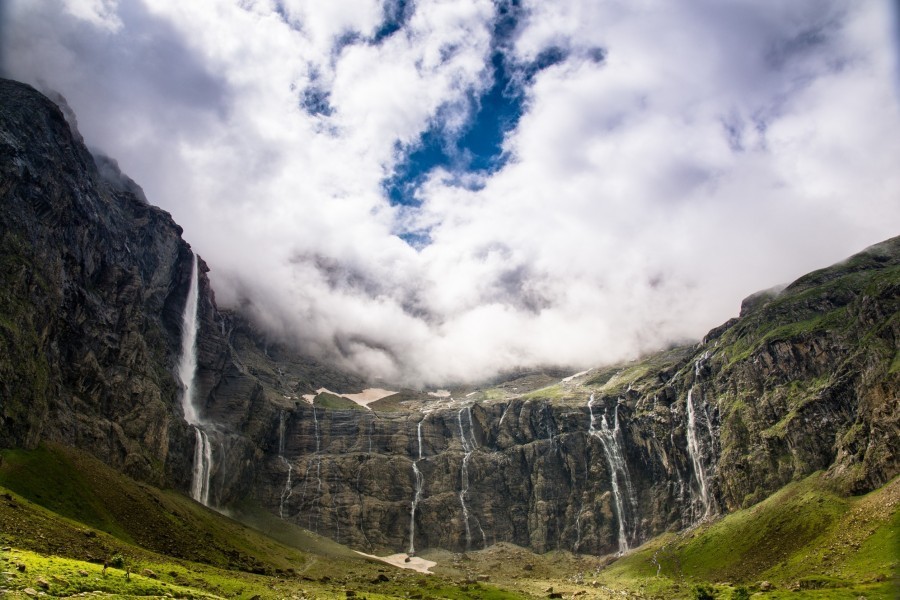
<point x="468" y="446"/>
<point x="420" y="482"/>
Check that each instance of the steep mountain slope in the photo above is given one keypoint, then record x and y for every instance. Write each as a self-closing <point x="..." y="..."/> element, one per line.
<point x="94" y="283"/>
<point x="89" y="298"/>
<point x="803" y="541"/>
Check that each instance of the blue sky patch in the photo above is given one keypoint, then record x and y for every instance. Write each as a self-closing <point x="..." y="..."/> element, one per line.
<point x="395" y="15"/>
<point x="494" y="111"/>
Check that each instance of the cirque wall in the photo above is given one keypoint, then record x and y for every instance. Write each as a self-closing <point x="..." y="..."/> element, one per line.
<point x="95" y="286"/>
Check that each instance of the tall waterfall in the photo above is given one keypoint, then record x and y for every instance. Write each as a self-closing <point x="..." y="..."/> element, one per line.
<point x="694" y="452"/>
<point x="693" y="443"/>
<point x="187" y="371"/>
<point x="468" y="445"/>
<point x="615" y="457"/>
<point x="288" y="489"/>
<point x="187" y="366"/>
<point x="420" y="482"/>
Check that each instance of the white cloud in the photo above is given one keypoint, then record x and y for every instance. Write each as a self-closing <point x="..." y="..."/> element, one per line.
<point x="718" y="149"/>
<point x="101" y="13"/>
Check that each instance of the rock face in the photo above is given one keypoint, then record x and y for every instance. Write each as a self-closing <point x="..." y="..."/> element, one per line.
<point x="94" y="283"/>
<point x="805" y="380"/>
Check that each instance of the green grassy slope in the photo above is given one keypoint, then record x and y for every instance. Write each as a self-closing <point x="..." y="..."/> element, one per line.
<point x="805" y="540"/>
<point x="63" y="513"/>
<point x="77" y="486"/>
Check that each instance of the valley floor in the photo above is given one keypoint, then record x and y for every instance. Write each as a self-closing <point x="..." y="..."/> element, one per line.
<point x="62" y="515"/>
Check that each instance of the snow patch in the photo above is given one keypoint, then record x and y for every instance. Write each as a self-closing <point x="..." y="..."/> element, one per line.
<point x="571" y="377"/>
<point x="363" y="398"/>
<point x="404" y="561"/>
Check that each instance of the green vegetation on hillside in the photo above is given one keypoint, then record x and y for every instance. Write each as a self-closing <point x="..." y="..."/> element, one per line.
<point x="63" y="514"/>
<point x="806" y="541"/>
<point x="335" y="402"/>
<point x="803" y="542"/>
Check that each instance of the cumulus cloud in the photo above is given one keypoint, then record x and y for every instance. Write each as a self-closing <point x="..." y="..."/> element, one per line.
<point x="664" y="160"/>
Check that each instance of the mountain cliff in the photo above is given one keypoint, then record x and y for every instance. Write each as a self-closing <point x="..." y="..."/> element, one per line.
<point x="95" y="282"/>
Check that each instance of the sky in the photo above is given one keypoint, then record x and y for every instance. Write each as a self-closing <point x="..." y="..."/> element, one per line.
<point x="431" y="192"/>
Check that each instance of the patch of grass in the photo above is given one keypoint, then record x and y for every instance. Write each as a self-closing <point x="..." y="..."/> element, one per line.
<point x="602" y="377"/>
<point x="643" y="374"/>
<point x="621" y="380"/>
<point x="805" y="540"/>
<point x="552" y="392"/>
<point x="494" y="394"/>
<point x="397" y="402"/>
<point x="80" y="488"/>
<point x="335" y="402"/>
<point x="47" y="477"/>
<point x="288" y="533"/>
<point x="63" y="577"/>
<point x="69" y="558"/>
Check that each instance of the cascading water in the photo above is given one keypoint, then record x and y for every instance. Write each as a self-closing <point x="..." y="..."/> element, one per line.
<point x="694" y="452"/>
<point x="202" y="467"/>
<point x="288" y="489"/>
<point x="318" y="469"/>
<point x="693" y="443"/>
<point x="503" y="416"/>
<point x="309" y="465"/>
<point x="420" y="482"/>
<point x="187" y="366"/>
<point x="615" y="457"/>
<point x="578" y="530"/>
<point x="468" y="445"/>
<point x="187" y="370"/>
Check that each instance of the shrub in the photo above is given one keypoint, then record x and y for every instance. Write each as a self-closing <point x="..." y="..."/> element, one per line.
<point x="704" y="592"/>
<point x="740" y="593"/>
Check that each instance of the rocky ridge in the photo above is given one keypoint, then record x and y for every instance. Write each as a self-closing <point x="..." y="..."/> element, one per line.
<point x="95" y="280"/>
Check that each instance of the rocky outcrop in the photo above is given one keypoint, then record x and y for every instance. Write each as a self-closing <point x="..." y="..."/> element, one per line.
<point x="95" y="281"/>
